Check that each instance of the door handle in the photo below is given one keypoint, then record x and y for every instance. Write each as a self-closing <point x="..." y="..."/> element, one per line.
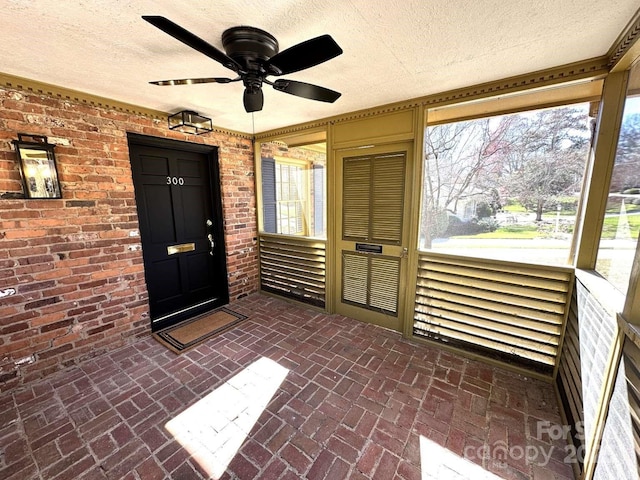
<point x="212" y="243"/>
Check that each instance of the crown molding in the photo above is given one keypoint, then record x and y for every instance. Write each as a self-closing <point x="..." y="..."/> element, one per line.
<point x="83" y="98"/>
<point x="626" y="49"/>
<point x="63" y="93"/>
<point x="591" y="69"/>
<point x="579" y="71"/>
<point x="292" y="130"/>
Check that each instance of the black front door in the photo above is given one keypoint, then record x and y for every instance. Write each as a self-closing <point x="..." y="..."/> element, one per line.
<point x="178" y="197"/>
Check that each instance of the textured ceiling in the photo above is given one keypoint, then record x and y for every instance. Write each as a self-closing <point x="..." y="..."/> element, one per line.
<point x="393" y="49"/>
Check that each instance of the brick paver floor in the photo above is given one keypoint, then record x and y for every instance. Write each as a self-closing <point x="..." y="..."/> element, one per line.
<point x="289" y="393"/>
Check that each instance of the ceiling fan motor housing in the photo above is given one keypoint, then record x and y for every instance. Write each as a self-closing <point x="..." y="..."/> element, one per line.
<point x="249" y="46"/>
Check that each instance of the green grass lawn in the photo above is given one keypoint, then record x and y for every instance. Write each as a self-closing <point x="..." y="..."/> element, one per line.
<point x="615" y="207"/>
<point x="531" y="231"/>
<point x="515" y="208"/>
<point x="610" y="226"/>
<point x="508" y="232"/>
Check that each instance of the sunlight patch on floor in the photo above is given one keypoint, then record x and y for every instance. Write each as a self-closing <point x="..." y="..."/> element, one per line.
<point x="213" y="429"/>
<point x="438" y="463"/>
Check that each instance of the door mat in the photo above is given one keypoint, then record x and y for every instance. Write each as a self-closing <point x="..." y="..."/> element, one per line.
<point x="192" y="332"/>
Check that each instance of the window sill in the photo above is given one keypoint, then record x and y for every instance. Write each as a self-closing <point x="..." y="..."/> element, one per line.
<point x="610" y="298"/>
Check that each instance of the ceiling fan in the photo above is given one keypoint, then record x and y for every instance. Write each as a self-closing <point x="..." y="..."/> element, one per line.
<point x="253" y="55"/>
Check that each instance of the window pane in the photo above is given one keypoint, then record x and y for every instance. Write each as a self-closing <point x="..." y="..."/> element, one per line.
<point x="622" y="218"/>
<point x="505" y="187"/>
<point x="293" y="198"/>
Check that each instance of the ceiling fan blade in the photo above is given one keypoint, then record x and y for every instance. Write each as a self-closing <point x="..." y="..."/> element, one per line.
<point x="306" y="90"/>
<point x="194" y="81"/>
<point x="193" y="41"/>
<point x="253" y="100"/>
<point x="304" y="55"/>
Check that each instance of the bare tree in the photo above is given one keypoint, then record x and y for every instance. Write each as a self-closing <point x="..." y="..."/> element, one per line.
<point x="549" y="150"/>
<point x="460" y="160"/>
<point x="535" y="157"/>
<point x="458" y="155"/>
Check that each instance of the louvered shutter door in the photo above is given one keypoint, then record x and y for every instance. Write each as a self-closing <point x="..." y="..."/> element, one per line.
<point x="373" y="198"/>
<point x="355" y="198"/>
<point x="384" y="283"/>
<point x="373" y="203"/>
<point x="355" y="278"/>
<point x="388" y="196"/>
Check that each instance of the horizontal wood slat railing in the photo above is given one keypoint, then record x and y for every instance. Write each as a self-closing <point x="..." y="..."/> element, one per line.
<point x="513" y="313"/>
<point x="569" y="378"/>
<point x="631" y="356"/>
<point x="293" y="267"/>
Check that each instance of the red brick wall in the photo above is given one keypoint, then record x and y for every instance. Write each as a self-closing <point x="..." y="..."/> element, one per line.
<point x="75" y="264"/>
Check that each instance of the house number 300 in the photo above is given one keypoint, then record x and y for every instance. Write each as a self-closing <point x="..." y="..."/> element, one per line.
<point x="175" y="181"/>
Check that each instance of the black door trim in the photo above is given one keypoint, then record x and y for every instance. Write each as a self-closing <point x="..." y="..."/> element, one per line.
<point x="220" y="262"/>
<point x="139" y="139"/>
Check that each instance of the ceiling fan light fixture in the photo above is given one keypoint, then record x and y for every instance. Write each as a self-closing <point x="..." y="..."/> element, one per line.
<point x="188" y="121"/>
